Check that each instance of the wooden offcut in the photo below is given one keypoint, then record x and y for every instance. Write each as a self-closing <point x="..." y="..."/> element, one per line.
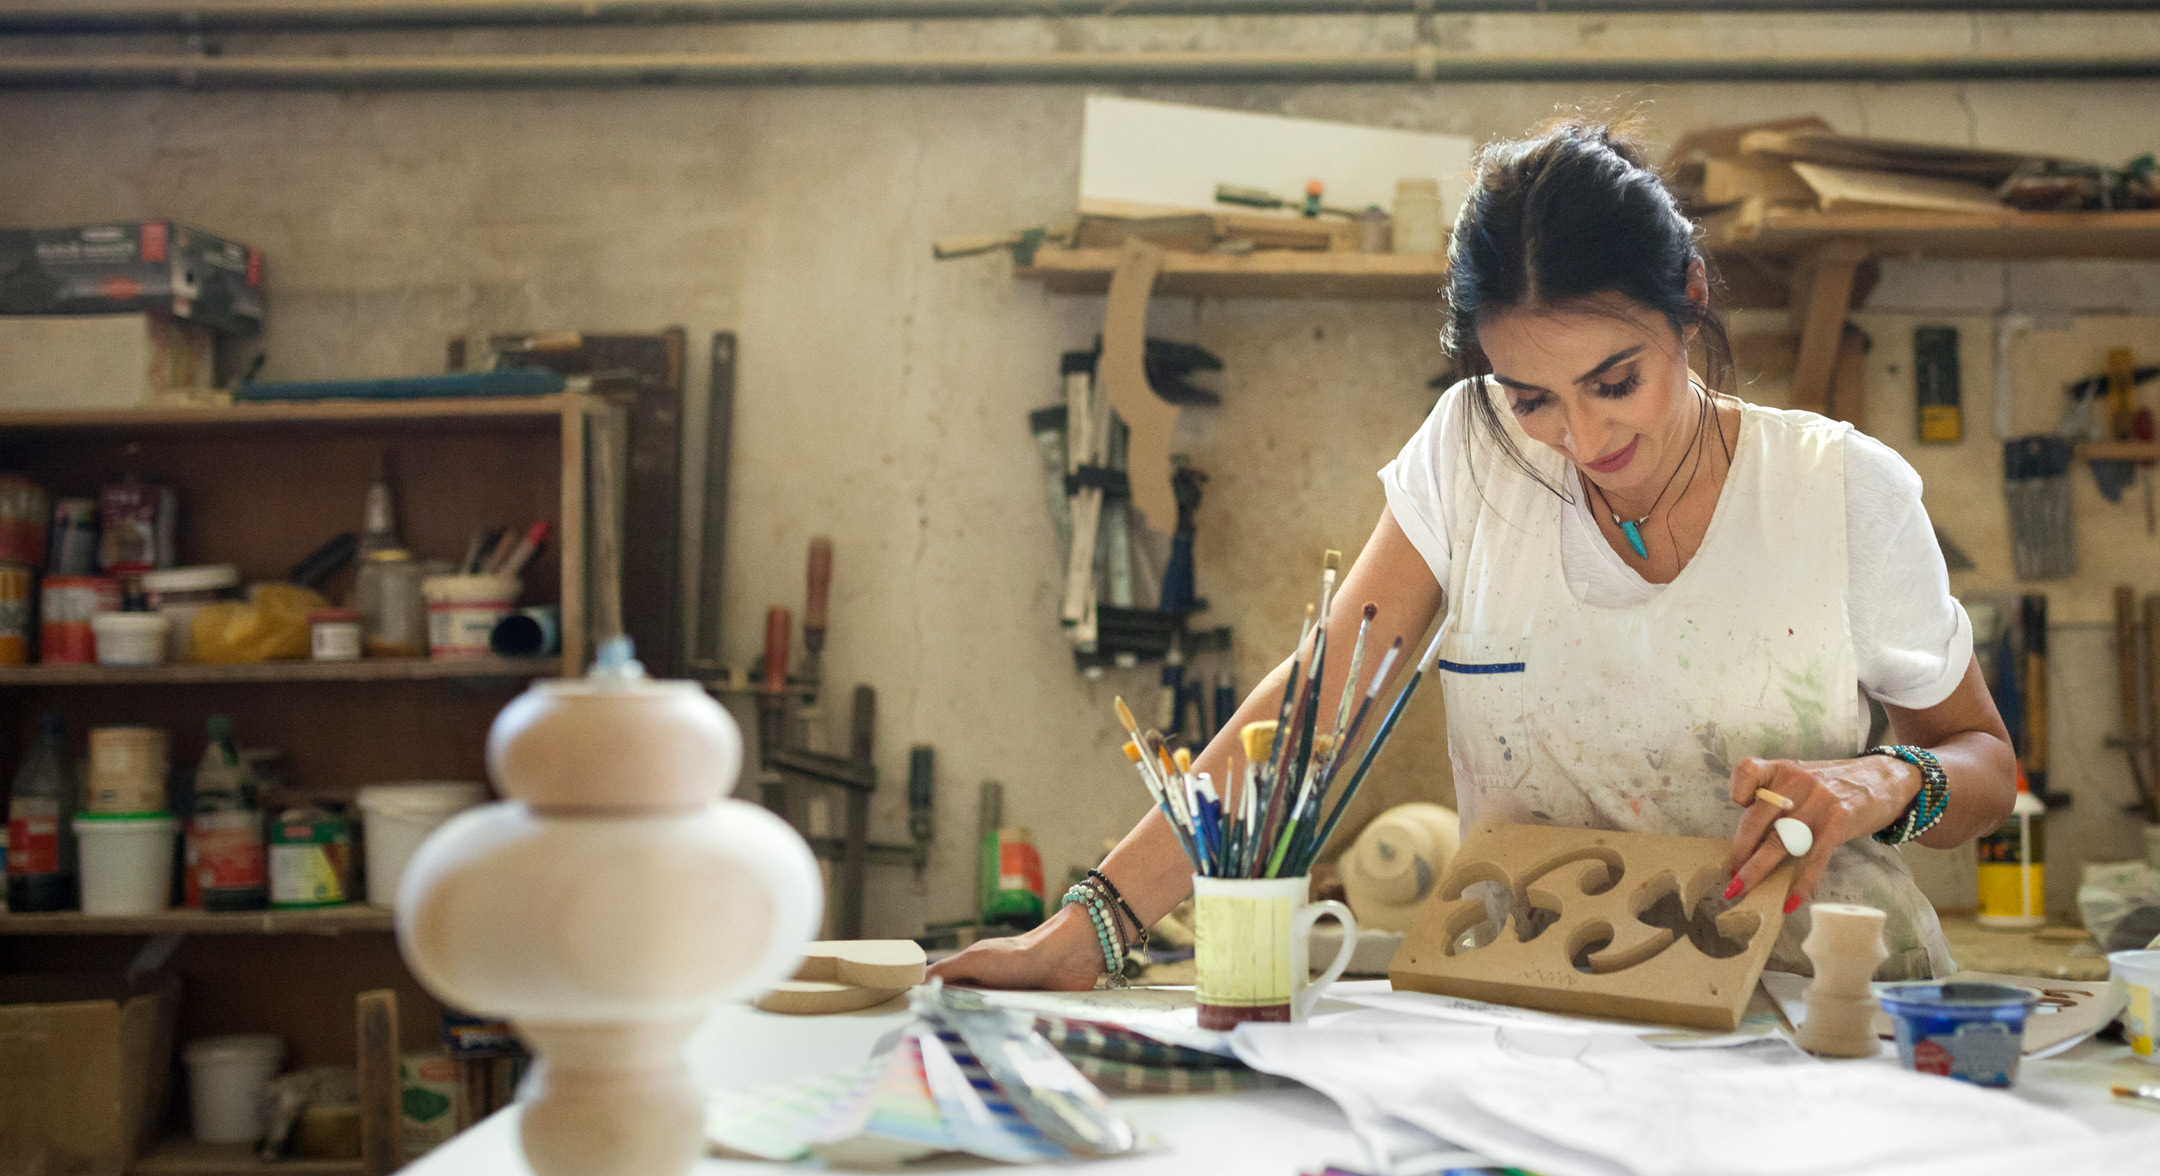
<point x="1597" y="883"/>
<point x="1839" y="189"/>
<point x="842" y="976"/>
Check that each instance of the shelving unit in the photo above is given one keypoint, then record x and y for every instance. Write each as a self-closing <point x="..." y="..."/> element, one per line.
<point x="322" y="921"/>
<point x="1826" y="250"/>
<point x="260" y="486"/>
<point x="381" y="669"/>
<point x="185" y="1157"/>
<point x="1270" y="273"/>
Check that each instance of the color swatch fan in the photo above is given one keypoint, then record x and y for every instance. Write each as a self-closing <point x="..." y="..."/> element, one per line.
<point x="962" y="1077"/>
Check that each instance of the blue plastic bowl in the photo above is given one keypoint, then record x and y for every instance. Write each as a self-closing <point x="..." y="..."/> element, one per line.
<point x="1962" y="1030"/>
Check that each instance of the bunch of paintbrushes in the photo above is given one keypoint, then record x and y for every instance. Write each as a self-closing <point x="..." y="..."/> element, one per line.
<point x="1273" y="827"/>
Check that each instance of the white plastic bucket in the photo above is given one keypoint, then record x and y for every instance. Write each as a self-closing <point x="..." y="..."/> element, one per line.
<point x="2137" y="979"/>
<point x="226" y="1076"/>
<point x="127" y="862"/>
<point x="130" y="639"/>
<point x="398" y="817"/>
<point x="462" y="611"/>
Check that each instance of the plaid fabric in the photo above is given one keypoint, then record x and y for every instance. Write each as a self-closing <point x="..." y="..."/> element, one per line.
<point x="1134" y="1078"/>
<point x="1116" y="1043"/>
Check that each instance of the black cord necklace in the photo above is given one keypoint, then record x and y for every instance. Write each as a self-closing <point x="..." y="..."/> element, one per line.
<point x="1631" y="530"/>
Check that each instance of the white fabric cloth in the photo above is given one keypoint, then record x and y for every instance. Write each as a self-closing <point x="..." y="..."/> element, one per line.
<point x="1912" y="639"/>
<point x="1630" y="715"/>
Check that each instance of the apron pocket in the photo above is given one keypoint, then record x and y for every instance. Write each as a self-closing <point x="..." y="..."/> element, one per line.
<point x="1482" y="678"/>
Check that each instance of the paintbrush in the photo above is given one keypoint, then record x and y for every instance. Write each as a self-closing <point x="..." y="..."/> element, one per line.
<point x="1349" y="739"/>
<point x="1293" y="750"/>
<point x="1259" y="742"/>
<point x="1349" y="690"/>
<point x="1379" y="740"/>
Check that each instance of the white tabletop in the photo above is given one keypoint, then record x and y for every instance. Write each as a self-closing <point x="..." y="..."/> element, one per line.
<point x="1284" y="1130"/>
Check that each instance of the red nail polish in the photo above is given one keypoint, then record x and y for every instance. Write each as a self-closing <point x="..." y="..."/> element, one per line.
<point x="1733" y="891"/>
<point x="1792" y="903"/>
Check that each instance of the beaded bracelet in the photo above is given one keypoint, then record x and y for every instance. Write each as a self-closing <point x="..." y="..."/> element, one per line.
<point x="1110" y="888"/>
<point x="1928" y="807"/>
<point x="1106" y="933"/>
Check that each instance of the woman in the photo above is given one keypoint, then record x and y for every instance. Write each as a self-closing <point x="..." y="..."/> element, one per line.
<point x="1660" y="599"/>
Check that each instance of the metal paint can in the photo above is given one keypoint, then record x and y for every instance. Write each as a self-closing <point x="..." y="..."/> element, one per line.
<point x="16" y="582"/>
<point x="74" y="537"/>
<point x="310" y="859"/>
<point x="65" y="608"/>
<point x="128" y="766"/>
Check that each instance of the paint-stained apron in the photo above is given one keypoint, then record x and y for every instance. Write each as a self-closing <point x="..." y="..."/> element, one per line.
<point x="1565" y="713"/>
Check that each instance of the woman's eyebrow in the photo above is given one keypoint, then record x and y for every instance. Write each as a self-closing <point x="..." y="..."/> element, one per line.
<point x="1621" y="356"/>
<point x="1616" y="357"/>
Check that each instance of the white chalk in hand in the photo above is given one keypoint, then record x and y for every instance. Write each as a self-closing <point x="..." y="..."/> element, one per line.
<point x="1798" y="838"/>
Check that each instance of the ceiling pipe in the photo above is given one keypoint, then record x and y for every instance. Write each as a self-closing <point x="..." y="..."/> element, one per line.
<point x="1422" y="65"/>
<point x="209" y="16"/>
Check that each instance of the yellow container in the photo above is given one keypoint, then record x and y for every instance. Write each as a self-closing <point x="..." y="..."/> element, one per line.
<point x="2139" y="974"/>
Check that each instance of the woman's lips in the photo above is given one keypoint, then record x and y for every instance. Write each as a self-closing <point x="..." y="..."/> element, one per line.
<point x="1617" y="462"/>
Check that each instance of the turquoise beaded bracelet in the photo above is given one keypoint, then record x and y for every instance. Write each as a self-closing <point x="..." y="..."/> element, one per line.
<point x="1928" y="807"/>
<point x="1106" y="934"/>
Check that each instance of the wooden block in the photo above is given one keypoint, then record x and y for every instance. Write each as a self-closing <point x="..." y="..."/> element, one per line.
<point x="1729" y="181"/>
<point x="382" y="1148"/>
<point x="1843" y="189"/>
<point x="866" y="963"/>
<point x="1191" y="232"/>
<point x="1598" y="884"/>
<point x="1947" y="160"/>
<point x="811" y="998"/>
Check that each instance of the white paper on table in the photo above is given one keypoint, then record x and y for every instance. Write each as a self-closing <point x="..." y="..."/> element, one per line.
<point x="1463" y="1010"/>
<point x="1167" y="1015"/>
<point x="1570" y="1103"/>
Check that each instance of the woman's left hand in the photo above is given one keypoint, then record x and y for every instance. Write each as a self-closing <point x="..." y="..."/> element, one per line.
<point x="1838" y="800"/>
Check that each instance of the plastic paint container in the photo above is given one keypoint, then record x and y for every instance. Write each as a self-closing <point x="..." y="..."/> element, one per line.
<point x="180" y="593"/>
<point x="1959" y="1029"/>
<point x="127" y="862"/>
<point x="130" y="638"/>
<point x="16" y="584"/>
<point x="128" y="766"/>
<point x="2139" y="974"/>
<point x="398" y="818"/>
<point x="334" y="634"/>
<point x="462" y="611"/>
<point x="65" y="607"/>
<point x="226" y="1076"/>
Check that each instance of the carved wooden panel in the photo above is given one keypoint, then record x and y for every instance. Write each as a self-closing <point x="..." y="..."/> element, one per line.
<point x="1609" y="924"/>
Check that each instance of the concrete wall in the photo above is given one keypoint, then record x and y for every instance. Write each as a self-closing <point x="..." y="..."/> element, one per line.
<point x="881" y="395"/>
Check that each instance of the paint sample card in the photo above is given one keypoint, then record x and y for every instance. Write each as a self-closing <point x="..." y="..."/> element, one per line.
<point x="1167" y="157"/>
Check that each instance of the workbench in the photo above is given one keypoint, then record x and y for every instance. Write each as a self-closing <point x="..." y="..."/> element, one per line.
<point x="1283" y="1130"/>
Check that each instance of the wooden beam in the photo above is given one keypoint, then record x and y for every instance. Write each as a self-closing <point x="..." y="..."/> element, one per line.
<point x="382" y="1149"/>
<point x="1820" y="297"/>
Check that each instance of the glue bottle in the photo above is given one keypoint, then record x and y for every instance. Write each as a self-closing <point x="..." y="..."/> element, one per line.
<point x="2012" y="871"/>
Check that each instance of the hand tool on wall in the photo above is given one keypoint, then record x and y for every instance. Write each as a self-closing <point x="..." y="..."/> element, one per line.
<point x="2151" y="783"/>
<point x="989" y="818"/>
<point x="2128" y="653"/>
<point x="2033" y="615"/>
<point x="1047" y="426"/>
<point x="922" y="801"/>
<point x="1179" y="596"/>
<point x="1309" y="205"/>
<point x="1021" y="243"/>
<point x="1939" y="391"/>
<point x="2036" y="482"/>
<point x="817" y="598"/>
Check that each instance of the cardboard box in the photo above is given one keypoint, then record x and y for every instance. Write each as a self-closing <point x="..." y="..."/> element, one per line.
<point x="97" y="361"/>
<point x="85" y="1070"/>
<point x="153" y="265"/>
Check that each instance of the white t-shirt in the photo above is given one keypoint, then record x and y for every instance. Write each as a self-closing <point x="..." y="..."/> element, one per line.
<point x="1911" y="636"/>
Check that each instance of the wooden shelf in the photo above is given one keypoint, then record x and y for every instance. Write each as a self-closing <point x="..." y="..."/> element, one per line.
<point x="2119" y="450"/>
<point x="332" y="412"/>
<point x="1776" y="230"/>
<point x="185" y="1157"/>
<point x="1272" y="273"/>
<point x="380" y="669"/>
<point x="321" y="921"/>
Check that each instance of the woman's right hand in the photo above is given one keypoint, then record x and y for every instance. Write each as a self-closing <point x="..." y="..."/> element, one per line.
<point x="1061" y="955"/>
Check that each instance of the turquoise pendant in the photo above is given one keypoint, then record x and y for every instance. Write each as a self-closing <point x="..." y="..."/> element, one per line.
<point x="1634" y="540"/>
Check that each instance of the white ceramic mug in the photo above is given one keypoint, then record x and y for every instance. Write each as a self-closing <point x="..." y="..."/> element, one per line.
<point x="1249" y="949"/>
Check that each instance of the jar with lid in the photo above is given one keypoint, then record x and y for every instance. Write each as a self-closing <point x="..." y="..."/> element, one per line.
<point x="180" y="593"/>
<point x="386" y="594"/>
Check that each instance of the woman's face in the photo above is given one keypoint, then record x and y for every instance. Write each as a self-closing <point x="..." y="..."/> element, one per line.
<point x="1605" y="383"/>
